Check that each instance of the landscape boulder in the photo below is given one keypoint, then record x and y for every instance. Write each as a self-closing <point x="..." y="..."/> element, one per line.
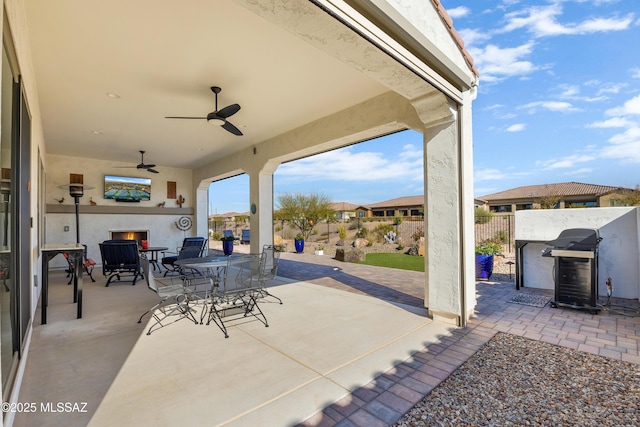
<point x="360" y="243"/>
<point x="350" y="255"/>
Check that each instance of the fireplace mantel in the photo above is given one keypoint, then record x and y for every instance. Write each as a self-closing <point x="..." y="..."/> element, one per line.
<point x="111" y="209"/>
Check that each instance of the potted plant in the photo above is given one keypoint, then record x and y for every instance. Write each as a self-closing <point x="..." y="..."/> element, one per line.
<point x="319" y="250"/>
<point x="484" y="258"/>
<point x="299" y="242"/>
<point x="227" y="245"/>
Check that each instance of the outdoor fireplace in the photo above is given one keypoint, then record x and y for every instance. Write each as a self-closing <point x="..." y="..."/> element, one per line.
<point x="138" y="235"/>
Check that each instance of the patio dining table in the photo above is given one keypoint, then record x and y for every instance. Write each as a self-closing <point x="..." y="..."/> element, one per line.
<point x="212" y="269"/>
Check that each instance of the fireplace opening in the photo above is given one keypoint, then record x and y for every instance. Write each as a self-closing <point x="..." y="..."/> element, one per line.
<point x="138" y="235"/>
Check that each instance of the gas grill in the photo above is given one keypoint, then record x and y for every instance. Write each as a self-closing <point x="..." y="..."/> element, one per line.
<point x="575" y="252"/>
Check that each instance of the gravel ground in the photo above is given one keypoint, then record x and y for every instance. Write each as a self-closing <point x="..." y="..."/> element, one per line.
<point x="514" y="381"/>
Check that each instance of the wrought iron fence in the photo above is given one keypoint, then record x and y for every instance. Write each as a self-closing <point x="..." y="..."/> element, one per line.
<point x="500" y="229"/>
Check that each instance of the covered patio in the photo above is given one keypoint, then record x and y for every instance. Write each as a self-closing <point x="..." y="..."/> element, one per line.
<point x="89" y="88"/>
<point x="331" y="354"/>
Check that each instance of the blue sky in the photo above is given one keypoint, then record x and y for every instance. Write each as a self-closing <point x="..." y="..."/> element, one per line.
<point x="558" y="100"/>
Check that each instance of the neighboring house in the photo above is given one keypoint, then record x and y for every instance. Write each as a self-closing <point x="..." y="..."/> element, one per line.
<point x="554" y="196"/>
<point x="344" y="210"/>
<point x="229" y="216"/>
<point x="409" y="206"/>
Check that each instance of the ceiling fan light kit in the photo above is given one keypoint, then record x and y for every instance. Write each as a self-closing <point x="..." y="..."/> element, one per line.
<point x="218" y="117"/>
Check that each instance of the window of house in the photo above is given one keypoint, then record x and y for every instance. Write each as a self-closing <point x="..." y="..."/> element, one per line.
<point x="500" y="208"/>
<point x="378" y="213"/>
<point x="390" y="212"/>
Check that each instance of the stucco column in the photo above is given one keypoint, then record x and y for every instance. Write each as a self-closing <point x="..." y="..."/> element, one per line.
<point x="448" y="230"/>
<point x="261" y="205"/>
<point x="201" y="211"/>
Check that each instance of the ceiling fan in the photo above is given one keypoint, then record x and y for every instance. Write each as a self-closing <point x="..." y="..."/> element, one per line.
<point x="142" y="164"/>
<point x="218" y="117"/>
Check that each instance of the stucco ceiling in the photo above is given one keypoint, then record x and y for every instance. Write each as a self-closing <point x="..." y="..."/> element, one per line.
<point x="161" y="58"/>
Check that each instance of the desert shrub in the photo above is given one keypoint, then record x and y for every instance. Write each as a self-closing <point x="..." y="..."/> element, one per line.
<point x="381" y="230"/>
<point x="342" y="231"/>
<point x="277" y="229"/>
<point x="217" y="236"/>
<point x="481" y="216"/>
<point x="501" y="236"/>
<point x="417" y="235"/>
<point x="363" y="233"/>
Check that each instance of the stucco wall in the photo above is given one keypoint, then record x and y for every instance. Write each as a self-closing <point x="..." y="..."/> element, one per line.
<point x="94" y="228"/>
<point x="619" y="250"/>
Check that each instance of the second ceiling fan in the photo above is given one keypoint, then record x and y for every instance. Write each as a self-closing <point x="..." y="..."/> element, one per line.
<point x="218" y="117"/>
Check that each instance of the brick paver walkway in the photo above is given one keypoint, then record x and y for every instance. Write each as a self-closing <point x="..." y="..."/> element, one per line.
<point x="386" y="398"/>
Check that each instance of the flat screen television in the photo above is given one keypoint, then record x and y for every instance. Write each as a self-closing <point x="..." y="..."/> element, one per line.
<point x="127" y="188"/>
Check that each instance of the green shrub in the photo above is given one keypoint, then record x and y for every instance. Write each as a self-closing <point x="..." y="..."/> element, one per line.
<point x="417" y="235"/>
<point x="342" y="231"/>
<point x="501" y="236"/>
<point x="481" y="216"/>
<point x="381" y="230"/>
<point x="363" y="233"/>
<point x="488" y="248"/>
<point x="217" y="236"/>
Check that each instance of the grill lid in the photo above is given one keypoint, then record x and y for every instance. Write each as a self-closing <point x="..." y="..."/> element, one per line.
<point x="577" y="239"/>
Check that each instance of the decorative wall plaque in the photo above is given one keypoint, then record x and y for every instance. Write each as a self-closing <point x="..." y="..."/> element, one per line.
<point x="171" y="189"/>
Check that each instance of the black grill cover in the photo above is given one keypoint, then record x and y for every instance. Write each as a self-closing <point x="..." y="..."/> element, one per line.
<point x="577" y="239"/>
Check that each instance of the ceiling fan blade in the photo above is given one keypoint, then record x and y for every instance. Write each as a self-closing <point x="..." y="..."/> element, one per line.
<point x="152" y="170"/>
<point x="231" y="128"/>
<point x="228" y="111"/>
<point x="177" y="117"/>
<point x="145" y="166"/>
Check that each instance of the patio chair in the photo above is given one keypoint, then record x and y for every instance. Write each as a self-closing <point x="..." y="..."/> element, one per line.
<point x="88" y="265"/>
<point x="268" y="269"/>
<point x="192" y="247"/>
<point x="120" y="257"/>
<point x="246" y="237"/>
<point x="237" y="292"/>
<point x="169" y="292"/>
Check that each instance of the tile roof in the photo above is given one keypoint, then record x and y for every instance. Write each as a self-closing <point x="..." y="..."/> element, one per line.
<point x="448" y="22"/>
<point x="343" y="206"/>
<point x="400" y="202"/>
<point x="545" y="190"/>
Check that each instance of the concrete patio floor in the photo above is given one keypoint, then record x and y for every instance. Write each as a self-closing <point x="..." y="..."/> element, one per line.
<point x="341" y="350"/>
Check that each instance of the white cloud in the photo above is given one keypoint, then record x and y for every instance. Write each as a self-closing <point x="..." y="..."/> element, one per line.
<point x="345" y="165"/>
<point x="581" y="171"/>
<point x="616" y="122"/>
<point x="458" y="12"/>
<point x="558" y="106"/>
<point x="624" y="146"/>
<point x="542" y="22"/>
<point x="489" y="174"/>
<point x="631" y="107"/>
<point x="566" y="162"/>
<point x="473" y="37"/>
<point x="496" y="63"/>
<point x="518" y="127"/>
<point x="635" y="73"/>
<point x="611" y="88"/>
